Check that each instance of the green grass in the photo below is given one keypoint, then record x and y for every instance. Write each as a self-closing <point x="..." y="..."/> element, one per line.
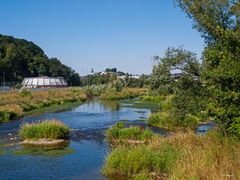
<point x="126" y="93"/>
<point x="161" y="120"/>
<point x="48" y="129"/>
<point x="14" y="105"/>
<point x="140" y="160"/>
<point x="119" y="132"/>
<point x="183" y="155"/>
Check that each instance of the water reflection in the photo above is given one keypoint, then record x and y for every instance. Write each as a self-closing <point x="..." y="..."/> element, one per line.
<point x="51" y="151"/>
<point x="81" y="158"/>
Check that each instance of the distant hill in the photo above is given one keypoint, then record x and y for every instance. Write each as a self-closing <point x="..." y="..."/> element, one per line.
<point x="20" y="58"/>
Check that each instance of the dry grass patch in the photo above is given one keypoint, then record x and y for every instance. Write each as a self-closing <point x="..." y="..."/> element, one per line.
<point x="183" y="155"/>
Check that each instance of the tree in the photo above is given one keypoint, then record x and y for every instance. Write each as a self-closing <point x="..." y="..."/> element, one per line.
<point x="219" y="23"/>
<point x="176" y="60"/>
<point x="20" y="58"/>
<point x="187" y="88"/>
<point x="211" y="16"/>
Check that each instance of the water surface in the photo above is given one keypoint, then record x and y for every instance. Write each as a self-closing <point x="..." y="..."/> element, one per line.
<point x="82" y="158"/>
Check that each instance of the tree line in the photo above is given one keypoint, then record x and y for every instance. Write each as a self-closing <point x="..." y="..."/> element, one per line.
<point x="208" y="88"/>
<point x="20" y="58"/>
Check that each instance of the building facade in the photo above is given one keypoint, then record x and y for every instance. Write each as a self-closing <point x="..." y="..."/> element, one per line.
<point x="44" y="82"/>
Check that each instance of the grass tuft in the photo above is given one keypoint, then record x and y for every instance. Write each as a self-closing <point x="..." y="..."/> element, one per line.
<point x="119" y="132"/>
<point x="47" y="129"/>
<point x="140" y="160"/>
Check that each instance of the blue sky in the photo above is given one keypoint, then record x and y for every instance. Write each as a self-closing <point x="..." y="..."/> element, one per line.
<point x="87" y="34"/>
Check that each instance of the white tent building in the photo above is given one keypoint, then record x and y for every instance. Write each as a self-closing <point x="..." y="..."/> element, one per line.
<point x="44" y="82"/>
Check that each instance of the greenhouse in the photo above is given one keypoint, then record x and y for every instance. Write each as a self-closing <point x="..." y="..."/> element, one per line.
<point x="44" y="82"/>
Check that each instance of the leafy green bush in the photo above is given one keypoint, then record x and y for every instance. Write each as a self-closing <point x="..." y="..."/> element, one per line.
<point x="48" y="129"/>
<point x="126" y="93"/>
<point x="190" y="121"/>
<point x="142" y="159"/>
<point x="234" y="128"/>
<point x="119" y="132"/>
<point x="9" y="112"/>
<point x="161" y="120"/>
<point x="25" y="92"/>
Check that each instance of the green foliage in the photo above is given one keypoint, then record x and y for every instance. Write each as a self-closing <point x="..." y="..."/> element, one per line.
<point x="161" y="120"/>
<point x="20" y="58"/>
<point x="14" y="105"/>
<point x="219" y="24"/>
<point x="25" y="93"/>
<point x="126" y="93"/>
<point x="119" y="132"/>
<point x="116" y="85"/>
<point x="161" y="79"/>
<point x="210" y="15"/>
<point x="48" y="129"/>
<point x="189" y="96"/>
<point x="111" y="77"/>
<point x="94" y="90"/>
<point x="140" y="160"/>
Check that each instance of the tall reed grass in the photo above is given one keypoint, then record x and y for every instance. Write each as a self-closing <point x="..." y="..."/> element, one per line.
<point x="180" y="156"/>
<point x="121" y="133"/>
<point x="126" y="93"/>
<point x="47" y="129"/>
<point x="13" y="104"/>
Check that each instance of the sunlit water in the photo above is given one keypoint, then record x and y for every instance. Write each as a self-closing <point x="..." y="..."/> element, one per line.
<point x="83" y="156"/>
<point x="87" y="146"/>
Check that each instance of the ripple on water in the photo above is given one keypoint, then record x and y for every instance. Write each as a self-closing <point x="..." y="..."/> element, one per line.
<point x="82" y="158"/>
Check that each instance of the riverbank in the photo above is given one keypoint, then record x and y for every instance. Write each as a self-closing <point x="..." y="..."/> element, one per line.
<point x="87" y="122"/>
<point x="180" y="156"/>
<point x="14" y="105"/>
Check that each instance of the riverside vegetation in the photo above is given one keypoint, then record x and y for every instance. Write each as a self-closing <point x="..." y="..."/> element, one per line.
<point x="200" y="91"/>
<point x="119" y="134"/>
<point x="181" y="156"/>
<point x="47" y="129"/>
<point x="14" y="105"/>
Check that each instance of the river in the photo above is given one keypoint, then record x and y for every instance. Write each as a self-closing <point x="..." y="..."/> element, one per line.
<point x="82" y="158"/>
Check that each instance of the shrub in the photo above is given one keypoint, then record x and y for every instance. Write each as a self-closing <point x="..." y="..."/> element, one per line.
<point x="126" y="93"/>
<point x="25" y="92"/>
<point x="161" y="120"/>
<point x="13" y="105"/>
<point x="234" y="128"/>
<point x="9" y="112"/>
<point x="47" y="129"/>
<point x="119" y="132"/>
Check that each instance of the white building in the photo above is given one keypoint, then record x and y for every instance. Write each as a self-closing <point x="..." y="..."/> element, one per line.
<point x="44" y="82"/>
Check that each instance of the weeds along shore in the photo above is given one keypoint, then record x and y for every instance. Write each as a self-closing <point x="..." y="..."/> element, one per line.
<point x="14" y="105"/>
<point x="183" y="155"/>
